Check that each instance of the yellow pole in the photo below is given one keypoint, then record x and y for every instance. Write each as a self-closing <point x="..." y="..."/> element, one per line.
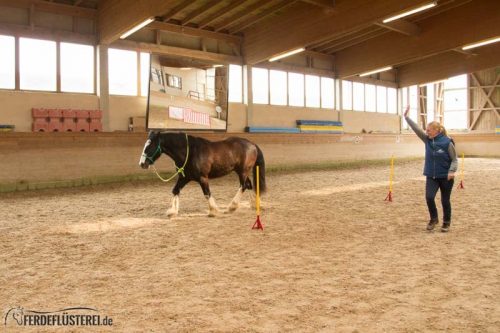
<point x="391" y="173"/>
<point x="462" y="169"/>
<point x="257" y="198"/>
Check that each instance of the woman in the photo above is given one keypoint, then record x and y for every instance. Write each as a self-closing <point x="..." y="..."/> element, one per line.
<point x="440" y="166"/>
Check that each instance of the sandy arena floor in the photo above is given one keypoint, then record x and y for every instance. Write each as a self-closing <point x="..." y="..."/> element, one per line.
<point x="334" y="257"/>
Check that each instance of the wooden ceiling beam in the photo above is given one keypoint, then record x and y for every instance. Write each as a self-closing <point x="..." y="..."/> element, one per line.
<point x="193" y="32"/>
<point x="179" y="52"/>
<point x="252" y="20"/>
<point x="448" y="64"/>
<point x="340" y="43"/>
<point x="440" y="33"/>
<point x="401" y="26"/>
<point x="314" y="25"/>
<point x="223" y="11"/>
<point x="198" y="12"/>
<point x="50" y="7"/>
<point x="240" y="15"/>
<point x="172" y="12"/>
<point x="357" y="40"/>
<point x="116" y="17"/>
<point x="328" y="4"/>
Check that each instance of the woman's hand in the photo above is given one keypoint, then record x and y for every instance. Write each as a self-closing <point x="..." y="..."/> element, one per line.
<point x="407" y="111"/>
<point x="451" y="175"/>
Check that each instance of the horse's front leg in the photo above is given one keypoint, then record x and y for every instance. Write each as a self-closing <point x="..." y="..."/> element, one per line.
<point x="174" y="209"/>
<point x="212" y="206"/>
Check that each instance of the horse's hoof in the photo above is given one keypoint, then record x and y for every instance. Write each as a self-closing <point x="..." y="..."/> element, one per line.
<point x="212" y="214"/>
<point x="171" y="214"/>
<point x="231" y="209"/>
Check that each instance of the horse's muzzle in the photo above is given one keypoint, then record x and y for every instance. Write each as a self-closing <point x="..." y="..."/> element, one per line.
<point x="145" y="165"/>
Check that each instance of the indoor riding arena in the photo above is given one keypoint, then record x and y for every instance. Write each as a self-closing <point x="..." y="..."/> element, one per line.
<point x="122" y="210"/>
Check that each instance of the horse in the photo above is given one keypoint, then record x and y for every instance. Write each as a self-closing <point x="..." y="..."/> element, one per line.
<point x="202" y="160"/>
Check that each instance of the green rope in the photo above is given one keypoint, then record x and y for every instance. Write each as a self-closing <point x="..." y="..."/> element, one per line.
<point x="179" y="170"/>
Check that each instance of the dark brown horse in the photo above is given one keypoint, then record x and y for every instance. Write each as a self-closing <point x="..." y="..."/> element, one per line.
<point x="199" y="160"/>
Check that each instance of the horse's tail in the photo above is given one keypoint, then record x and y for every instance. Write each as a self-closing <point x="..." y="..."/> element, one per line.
<point x="262" y="171"/>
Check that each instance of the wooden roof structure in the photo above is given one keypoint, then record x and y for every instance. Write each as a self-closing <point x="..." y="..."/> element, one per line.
<point x="346" y="37"/>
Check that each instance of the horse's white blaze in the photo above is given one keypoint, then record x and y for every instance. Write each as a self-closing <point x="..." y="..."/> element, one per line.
<point x="143" y="155"/>
<point x="174" y="210"/>
<point x="235" y="203"/>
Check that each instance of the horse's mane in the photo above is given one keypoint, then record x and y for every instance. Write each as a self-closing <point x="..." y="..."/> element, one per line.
<point x="181" y="137"/>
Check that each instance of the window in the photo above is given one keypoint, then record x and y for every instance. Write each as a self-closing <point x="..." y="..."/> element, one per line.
<point x="122" y="72"/>
<point x="358" y="96"/>
<point x="327" y="93"/>
<point x="278" y="87"/>
<point x="145" y="59"/>
<point x="410" y="97"/>
<point x="430" y="102"/>
<point x="370" y="98"/>
<point x="392" y="100"/>
<point x="455" y="102"/>
<point x="346" y="95"/>
<point x="260" y="86"/>
<point x="77" y="68"/>
<point x="206" y="83"/>
<point x="157" y="76"/>
<point x="381" y="99"/>
<point x="37" y="64"/>
<point x="296" y="89"/>
<point x="8" y="62"/>
<point x="235" y="83"/>
<point x="174" y="81"/>
<point x="456" y="82"/>
<point x="312" y="91"/>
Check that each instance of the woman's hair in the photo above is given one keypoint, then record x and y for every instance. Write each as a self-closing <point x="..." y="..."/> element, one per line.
<point x="437" y="126"/>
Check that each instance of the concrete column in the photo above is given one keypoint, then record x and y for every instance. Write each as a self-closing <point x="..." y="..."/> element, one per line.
<point x="249" y="96"/>
<point x="103" y="85"/>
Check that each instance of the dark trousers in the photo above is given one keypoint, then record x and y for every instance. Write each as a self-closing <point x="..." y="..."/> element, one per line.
<point x="431" y="187"/>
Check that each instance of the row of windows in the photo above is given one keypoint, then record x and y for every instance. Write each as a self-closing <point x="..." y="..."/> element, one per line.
<point x="294" y="89"/>
<point x="38" y="71"/>
<point x="368" y="97"/>
<point x="38" y="67"/>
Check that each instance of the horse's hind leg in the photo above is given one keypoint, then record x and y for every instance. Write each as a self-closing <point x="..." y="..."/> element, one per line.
<point x="174" y="209"/>
<point x="212" y="206"/>
<point x="235" y="203"/>
<point x="245" y="183"/>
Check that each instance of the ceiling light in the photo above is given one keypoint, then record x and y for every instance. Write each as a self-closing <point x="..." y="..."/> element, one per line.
<point x="484" y="42"/>
<point x="284" y="55"/>
<point x="409" y="12"/>
<point x="215" y="66"/>
<point x="185" y="68"/>
<point x="376" y="71"/>
<point x="137" y="27"/>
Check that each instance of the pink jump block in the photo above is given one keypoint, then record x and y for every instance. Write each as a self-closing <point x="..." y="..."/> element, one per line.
<point x="55" y="113"/>
<point x="95" y="125"/>
<point x="68" y="125"/>
<point x="95" y="114"/>
<point x="55" y="125"/>
<point x="40" y="125"/>
<point x="39" y="113"/>
<point x="82" y="125"/>
<point x="82" y="114"/>
<point x="68" y="113"/>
